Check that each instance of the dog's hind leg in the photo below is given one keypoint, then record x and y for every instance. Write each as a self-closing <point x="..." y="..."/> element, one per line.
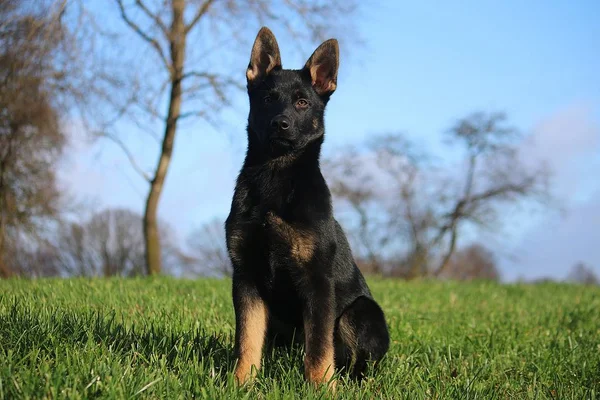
<point x="361" y="336"/>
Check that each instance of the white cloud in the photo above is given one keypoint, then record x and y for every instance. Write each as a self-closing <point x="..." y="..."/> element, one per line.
<point x="550" y="243"/>
<point x="569" y="141"/>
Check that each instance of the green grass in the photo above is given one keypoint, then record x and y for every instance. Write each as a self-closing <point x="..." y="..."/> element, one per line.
<point x="167" y="338"/>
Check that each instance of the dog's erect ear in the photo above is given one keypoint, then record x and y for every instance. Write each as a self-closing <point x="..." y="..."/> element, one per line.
<point x="323" y="67"/>
<point x="265" y="56"/>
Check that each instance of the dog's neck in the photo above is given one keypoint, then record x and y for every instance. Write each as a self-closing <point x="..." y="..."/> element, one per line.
<point x="298" y="161"/>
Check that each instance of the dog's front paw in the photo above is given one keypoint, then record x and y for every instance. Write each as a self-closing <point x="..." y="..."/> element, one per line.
<point x="244" y="374"/>
<point x="320" y="373"/>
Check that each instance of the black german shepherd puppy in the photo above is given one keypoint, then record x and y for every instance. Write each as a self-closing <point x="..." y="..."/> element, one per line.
<point x="292" y="265"/>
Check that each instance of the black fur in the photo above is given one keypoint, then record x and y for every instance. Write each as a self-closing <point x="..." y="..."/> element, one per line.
<point x="288" y="251"/>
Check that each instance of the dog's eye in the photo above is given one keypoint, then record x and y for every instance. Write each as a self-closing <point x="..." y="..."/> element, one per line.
<point x="267" y="99"/>
<point x="302" y="103"/>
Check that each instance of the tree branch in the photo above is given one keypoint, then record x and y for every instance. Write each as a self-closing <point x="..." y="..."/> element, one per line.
<point x="129" y="155"/>
<point x="188" y="114"/>
<point x="152" y="41"/>
<point x="201" y="11"/>
<point x="153" y="17"/>
<point x="215" y="81"/>
<point x="506" y="189"/>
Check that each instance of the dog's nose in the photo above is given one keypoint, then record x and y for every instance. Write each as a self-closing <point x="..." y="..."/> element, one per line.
<point x="280" y="122"/>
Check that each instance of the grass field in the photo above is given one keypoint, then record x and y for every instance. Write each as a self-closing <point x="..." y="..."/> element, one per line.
<point x="168" y="338"/>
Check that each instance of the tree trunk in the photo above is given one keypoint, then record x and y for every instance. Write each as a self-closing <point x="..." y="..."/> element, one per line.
<point x="457" y="215"/>
<point x="5" y="271"/>
<point x="364" y="237"/>
<point x="151" y="233"/>
<point x="418" y="267"/>
<point x="446" y="260"/>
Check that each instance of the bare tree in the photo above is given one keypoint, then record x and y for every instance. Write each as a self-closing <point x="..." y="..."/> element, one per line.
<point x="36" y="261"/>
<point x="584" y="274"/>
<point x="495" y="175"/>
<point x="44" y="77"/>
<point x="31" y="137"/>
<point x="109" y="243"/>
<point x="410" y="213"/>
<point x="207" y="246"/>
<point x="352" y="184"/>
<point x="382" y="183"/>
<point x="472" y="262"/>
<point x="193" y="43"/>
<point x="418" y="210"/>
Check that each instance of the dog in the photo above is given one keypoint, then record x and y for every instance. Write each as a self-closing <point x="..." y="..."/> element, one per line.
<point x="293" y="269"/>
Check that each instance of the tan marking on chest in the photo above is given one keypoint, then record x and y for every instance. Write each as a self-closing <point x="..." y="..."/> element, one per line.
<point x="302" y="243"/>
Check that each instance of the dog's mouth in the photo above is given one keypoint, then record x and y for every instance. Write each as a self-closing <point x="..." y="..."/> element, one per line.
<point x="278" y="141"/>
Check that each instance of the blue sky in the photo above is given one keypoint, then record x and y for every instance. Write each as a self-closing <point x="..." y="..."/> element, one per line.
<point x="422" y="65"/>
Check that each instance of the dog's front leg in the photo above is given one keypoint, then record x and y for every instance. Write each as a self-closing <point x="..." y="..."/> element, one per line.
<point x="319" y="320"/>
<point x="250" y="327"/>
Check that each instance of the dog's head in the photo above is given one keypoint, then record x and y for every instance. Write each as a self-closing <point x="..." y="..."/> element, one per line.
<point x="287" y="106"/>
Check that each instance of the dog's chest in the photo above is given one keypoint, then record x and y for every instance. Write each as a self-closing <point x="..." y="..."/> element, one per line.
<point x="289" y="243"/>
<point x="269" y="231"/>
<point x="278" y="249"/>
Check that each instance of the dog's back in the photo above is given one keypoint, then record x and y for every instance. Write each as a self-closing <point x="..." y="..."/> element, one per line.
<point x="293" y="268"/>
